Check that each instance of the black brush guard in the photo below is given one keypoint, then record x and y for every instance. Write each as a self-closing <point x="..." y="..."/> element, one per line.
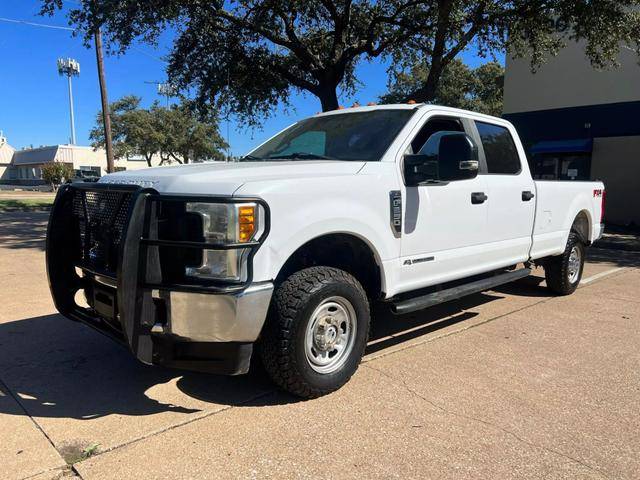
<point x="102" y="238"/>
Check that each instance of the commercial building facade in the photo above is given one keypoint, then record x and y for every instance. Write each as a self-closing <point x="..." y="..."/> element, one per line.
<point x="579" y="123"/>
<point x="24" y="167"/>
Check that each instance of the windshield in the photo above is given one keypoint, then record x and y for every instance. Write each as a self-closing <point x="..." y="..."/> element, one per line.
<point x="359" y="136"/>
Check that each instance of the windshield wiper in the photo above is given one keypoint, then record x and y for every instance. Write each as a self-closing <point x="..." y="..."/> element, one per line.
<point x="433" y="182"/>
<point x="252" y="158"/>
<point x="301" y="156"/>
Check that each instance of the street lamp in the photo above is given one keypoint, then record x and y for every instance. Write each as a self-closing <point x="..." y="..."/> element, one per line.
<point x="70" y="68"/>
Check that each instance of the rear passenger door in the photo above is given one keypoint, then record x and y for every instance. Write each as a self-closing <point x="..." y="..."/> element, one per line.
<point x="510" y="191"/>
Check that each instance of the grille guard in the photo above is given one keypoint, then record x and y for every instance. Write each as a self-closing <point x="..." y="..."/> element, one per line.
<point x="131" y="257"/>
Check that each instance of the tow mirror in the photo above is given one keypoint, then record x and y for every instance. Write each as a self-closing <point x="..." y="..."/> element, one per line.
<point x="445" y="157"/>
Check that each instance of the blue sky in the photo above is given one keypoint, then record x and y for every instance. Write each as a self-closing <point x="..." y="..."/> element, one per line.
<point x="34" y="107"/>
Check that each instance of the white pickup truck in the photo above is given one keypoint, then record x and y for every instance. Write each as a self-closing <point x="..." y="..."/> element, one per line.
<point x="191" y="266"/>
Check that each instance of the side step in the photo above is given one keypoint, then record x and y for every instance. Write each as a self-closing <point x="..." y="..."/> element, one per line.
<point x="418" y="303"/>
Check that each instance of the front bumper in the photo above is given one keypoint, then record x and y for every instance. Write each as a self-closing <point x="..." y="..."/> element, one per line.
<point x="206" y="327"/>
<point x="200" y="317"/>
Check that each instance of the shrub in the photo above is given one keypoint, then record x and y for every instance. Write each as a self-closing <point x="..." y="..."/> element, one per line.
<point x="56" y="173"/>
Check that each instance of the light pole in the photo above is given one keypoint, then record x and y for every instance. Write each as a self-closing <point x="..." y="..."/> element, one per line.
<point x="70" y="68"/>
<point x="165" y="89"/>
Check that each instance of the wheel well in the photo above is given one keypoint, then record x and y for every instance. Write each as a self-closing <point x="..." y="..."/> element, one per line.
<point x="339" y="250"/>
<point x="581" y="226"/>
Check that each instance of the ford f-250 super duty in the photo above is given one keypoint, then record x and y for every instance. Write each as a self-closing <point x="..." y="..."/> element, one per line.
<point x="191" y="266"/>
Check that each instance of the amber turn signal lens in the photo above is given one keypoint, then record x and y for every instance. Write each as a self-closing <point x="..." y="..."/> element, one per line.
<point x="247" y="223"/>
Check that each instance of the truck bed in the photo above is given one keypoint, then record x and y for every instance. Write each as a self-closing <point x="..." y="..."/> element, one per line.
<point x="558" y="204"/>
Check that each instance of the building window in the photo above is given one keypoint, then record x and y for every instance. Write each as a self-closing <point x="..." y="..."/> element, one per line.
<point x="499" y="149"/>
<point x="562" y="166"/>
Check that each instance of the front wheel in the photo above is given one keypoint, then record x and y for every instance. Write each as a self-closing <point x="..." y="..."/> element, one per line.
<point x="316" y="332"/>
<point x="563" y="272"/>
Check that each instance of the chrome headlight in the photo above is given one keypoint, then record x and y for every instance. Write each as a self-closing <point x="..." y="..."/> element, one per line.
<point x="226" y="224"/>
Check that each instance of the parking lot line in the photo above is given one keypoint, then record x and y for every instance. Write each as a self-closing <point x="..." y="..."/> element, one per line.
<point x="595" y="277"/>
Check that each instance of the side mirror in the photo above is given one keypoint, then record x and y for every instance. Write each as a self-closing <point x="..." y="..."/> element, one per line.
<point x="445" y="157"/>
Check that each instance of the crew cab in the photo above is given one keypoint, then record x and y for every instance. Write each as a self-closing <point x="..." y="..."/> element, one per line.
<point x="282" y="253"/>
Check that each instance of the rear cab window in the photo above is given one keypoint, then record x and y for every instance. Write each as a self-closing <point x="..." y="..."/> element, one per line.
<point x="499" y="148"/>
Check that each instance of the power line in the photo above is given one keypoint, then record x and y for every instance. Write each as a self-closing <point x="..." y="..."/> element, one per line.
<point x="147" y="54"/>
<point x="34" y="24"/>
<point x="69" y="29"/>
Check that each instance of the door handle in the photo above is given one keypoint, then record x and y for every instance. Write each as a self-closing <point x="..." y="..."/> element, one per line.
<point x="478" y="197"/>
<point x="527" y="195"/>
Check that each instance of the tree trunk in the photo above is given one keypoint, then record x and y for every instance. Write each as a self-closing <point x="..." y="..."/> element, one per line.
<point x="427" y="92"/>
<point x="148" y="159"/>
<point x="185" y="159"/>
<point x="328" y="98"/>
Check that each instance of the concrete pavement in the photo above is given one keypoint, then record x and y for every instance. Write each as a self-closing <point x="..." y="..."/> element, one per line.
<point x="511" y="383"/>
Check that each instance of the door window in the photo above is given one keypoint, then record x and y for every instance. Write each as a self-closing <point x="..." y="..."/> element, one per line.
<point x="433" y="126"/>
<point x="499" y="149"/>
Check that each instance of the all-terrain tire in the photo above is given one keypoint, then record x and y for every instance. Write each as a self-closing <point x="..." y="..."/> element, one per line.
<point x="560" y="277"/>
<point x="282" y="346"/>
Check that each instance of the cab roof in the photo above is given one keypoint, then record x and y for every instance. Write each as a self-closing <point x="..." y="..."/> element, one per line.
<point x="408" y="106"/>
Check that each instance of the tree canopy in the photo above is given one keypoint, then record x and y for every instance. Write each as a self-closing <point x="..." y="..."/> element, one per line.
<point x="174" y="133"/>
<point x="252" y="54"/>
<point x="480" y="89"/>
<point x="56" y="173"/>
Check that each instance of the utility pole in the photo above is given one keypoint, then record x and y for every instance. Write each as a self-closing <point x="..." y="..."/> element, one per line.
<point x="106" y="116"/>
<point x="70" y="68"/>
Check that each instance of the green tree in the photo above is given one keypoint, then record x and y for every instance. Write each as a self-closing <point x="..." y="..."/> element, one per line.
<point x="480" y="89"/>
<point x="134" y="130"/>
<point x="174" y="133"/>
<point x="252" y="54"/>
<point x="56" y="173"/>
<point x="187" y="138"/>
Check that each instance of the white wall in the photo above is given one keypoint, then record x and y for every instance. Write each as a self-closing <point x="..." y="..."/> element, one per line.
<point x="569" y="80"/>
<point x="6" y="154"/>
<point x="87" y="157"/>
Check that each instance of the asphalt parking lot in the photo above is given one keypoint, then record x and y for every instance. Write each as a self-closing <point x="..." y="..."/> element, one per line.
<point x="511" y="383"/>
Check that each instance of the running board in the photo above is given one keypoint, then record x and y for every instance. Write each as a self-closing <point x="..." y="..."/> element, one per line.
<point x="418" y="303"/>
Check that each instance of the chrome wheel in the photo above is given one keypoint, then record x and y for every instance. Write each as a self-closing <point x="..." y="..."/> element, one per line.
<point x="330" y="335"/>
<point x="575" y="263"/>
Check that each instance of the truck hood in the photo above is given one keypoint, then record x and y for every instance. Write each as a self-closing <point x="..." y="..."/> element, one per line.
<point x="224" y="178"/>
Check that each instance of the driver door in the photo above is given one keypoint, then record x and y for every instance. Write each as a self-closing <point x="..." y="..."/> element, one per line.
<point x="445" y="225"/>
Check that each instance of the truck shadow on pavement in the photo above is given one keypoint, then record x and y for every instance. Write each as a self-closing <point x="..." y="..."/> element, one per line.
<point x="59" y="369"/>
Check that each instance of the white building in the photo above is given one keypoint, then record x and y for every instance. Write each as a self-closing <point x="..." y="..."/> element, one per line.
<point x="24" y="167"/>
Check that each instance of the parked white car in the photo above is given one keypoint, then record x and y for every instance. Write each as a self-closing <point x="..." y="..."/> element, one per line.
<point x="191" y="266"/>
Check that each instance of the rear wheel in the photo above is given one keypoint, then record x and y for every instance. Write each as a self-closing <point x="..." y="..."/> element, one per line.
<point x="563" y="272"/>
<point x="316" y="332"/>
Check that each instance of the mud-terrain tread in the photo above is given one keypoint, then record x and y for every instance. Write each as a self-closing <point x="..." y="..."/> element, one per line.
<point x="556" y="268"/>
<point x="279" y="333"/>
